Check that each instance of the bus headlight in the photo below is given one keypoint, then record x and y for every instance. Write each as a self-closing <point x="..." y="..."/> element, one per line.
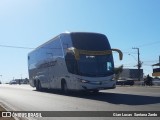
<point x="84" y="81"/>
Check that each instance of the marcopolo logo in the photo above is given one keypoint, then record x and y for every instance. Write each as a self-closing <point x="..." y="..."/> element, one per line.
<point x="6" y="114"/>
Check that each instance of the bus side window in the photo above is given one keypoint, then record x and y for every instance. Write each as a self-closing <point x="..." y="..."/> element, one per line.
<point x="71" y="63"/>
<point x="56" y="48"/>
<point x="109" y="66"/>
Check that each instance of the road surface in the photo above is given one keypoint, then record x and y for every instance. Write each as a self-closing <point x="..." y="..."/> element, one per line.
<point x="26" y="98"/>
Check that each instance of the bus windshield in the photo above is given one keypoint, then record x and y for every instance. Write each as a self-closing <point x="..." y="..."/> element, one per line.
<point x="95" y="65"/>
<point x="91" y="66"/>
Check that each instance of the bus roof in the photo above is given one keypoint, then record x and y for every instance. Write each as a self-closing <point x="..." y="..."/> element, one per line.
<point x="64" y="33"/>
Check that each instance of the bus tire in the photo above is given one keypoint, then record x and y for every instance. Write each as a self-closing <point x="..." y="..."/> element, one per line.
<point x="64" y="87"/>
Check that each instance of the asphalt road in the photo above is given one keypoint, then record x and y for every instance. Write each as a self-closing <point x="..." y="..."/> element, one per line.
<point x="26" y="98"/>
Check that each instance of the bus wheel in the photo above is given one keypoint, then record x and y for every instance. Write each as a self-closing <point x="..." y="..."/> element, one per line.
<point x="38" y="86"/>
<point x="64" y="87"/>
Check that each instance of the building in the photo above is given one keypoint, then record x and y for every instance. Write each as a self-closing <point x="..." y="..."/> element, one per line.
<point x="156" y="71"/>
<point x="131" y="73"/>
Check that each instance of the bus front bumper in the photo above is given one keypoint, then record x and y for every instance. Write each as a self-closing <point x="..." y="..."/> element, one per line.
<point x="98" y="85"/>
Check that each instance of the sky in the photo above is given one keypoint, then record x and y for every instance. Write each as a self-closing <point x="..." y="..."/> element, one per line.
<point x="126" y="23"/>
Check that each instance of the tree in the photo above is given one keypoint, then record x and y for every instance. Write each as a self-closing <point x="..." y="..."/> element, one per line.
<point x="118" y="71"/>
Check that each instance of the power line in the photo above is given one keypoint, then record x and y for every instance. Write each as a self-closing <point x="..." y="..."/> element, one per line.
<point x="129" y="52"/>
<point x="144" y="45"/>
<point x="19" y="47"/>
<point x="8" y="46"/>
<point x="149" y="44"/>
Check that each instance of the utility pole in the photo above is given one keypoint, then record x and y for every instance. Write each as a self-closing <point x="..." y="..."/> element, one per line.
<point x="138" y="65"/>
<point x="159" y="61"/>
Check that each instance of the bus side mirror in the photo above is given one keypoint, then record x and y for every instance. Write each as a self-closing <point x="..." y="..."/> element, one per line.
<point x="120" y="53"/>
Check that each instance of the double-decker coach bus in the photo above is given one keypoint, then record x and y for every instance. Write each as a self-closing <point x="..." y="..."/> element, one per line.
<point x="73" y="61"/>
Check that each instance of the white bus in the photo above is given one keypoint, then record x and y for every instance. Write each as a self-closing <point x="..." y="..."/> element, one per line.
<point x="73" y="61"/>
